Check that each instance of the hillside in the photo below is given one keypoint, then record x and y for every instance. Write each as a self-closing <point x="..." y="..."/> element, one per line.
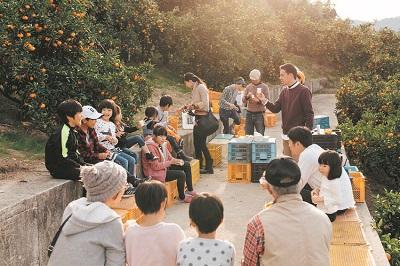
<point x="391" y="23"/>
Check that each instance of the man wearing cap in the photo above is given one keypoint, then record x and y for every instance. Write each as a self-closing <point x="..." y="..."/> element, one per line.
<point x="228" y="106"/>
<point x="89" y="146"/>
<point x="289" y="231"/>
<point x="255" y="107"/>
<point x="295" y="103"/>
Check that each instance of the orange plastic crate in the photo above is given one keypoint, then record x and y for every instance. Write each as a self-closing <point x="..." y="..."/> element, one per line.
<point x="239" y="130"/>
<point x="270" y="120"/>
<point x="172" y="192"/>
<point x="173" y="121"/>
<point x="358" y="184"/>
<point x="216" y="153"/>
<point x="215" y="106"/>
<point x="239" y="172"/>
<point x="195" y="168"/>
<point x="214" y="95"/>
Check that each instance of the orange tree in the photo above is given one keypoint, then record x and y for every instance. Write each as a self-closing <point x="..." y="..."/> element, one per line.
<point x="223" y="40"/>
<point x="54" y="50"/>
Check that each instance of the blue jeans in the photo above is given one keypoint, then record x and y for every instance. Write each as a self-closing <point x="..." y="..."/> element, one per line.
<point x="132" y="140"/>
<point x="224" y="115"/>
<point x="254" y="120"/>
<point x="126" y="161"/>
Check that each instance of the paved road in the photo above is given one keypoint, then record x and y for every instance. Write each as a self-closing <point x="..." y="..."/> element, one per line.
<point x="241" y="201"/>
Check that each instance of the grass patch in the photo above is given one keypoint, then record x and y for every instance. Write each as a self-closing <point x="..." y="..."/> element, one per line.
<point x="32" y="147"/>
<point x="167" y="80"/>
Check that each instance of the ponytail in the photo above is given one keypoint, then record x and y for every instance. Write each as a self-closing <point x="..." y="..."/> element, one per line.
<point x="190" y="76"/>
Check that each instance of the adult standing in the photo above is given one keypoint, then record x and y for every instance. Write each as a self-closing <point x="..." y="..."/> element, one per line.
<point x="295" y="103"/>
<point x="252" y="96"/>
<point x="269" y="237"/>
<point x="228" y="106"/>
<point x="200" y="106"/>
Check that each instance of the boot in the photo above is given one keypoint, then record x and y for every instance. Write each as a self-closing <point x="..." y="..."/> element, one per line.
<point x="200" y="162"/>
<point x="209" y="168"/>
<point x="181" y="155"/>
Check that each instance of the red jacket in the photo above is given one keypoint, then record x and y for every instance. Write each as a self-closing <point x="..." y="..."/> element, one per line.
<point x="157" y="169"/>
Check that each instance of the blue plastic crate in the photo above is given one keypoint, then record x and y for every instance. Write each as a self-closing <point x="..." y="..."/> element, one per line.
<point x="224" y="136"/>
<point x="263" y="151"/>
<point x="351" y="168"/>
<point x="239" y="150"/>
<point x="322" y="121"/>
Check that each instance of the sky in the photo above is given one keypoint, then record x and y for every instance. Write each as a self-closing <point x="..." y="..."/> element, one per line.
<point x="366" y="10"/>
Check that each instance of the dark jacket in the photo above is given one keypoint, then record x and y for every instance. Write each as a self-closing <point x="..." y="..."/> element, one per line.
<point x="61" y="151"/>
<point x="122" y="140"/>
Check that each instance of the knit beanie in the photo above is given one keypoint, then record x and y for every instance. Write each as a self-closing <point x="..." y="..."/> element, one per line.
<point x="103" y="180"/>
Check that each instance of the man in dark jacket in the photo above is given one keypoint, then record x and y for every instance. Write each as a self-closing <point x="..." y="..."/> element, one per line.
<point x="62" y="158"/>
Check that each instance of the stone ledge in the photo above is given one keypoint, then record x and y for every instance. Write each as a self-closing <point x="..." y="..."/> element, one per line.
<point x="30" y="214"/>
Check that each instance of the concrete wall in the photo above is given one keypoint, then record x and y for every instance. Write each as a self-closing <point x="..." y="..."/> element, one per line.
<point x="30" y="214"/>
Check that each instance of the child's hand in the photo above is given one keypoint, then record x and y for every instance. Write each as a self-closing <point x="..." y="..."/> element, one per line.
<point x="109" y="138"/>
<point x="120" y="133"/>
<point x="103" y="155"/>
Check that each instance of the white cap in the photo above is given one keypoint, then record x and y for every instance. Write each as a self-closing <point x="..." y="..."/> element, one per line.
<point x="255" y="74"/>
<point x="90" y="112"/>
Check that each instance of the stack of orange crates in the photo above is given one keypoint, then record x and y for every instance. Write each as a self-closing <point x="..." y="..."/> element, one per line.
<point x="270" y="119"/>
<point x="239" y="172"/>
<point x="216" y="153"/>
<point x="215" y="106"/>
<point x="214" y="95"/>
<point x="195" y="169"/>
<point x="240" y="129"/>
<point x="172" y="192"/>
<point x="358" y="184"/>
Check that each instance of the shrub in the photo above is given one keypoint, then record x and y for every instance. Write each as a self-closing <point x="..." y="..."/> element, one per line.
<point x="387" y="222"/>
<point x="51" y="51"/>
<point x="373" y="143"/>
<point x="223" y="41"/>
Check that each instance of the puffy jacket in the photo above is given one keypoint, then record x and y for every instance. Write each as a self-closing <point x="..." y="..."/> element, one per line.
<point x="157" y="169"/>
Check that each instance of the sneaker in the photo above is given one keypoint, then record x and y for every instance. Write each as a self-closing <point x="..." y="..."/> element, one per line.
<point x="191" y="193"/>
<point x="129" y="192"/>
<point x="187" y="199"/>
<point x="151" y="157"/>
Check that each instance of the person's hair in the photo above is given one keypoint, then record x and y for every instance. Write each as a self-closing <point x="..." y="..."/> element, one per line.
<point x="108" y="104"/>
<point x="301" y="77"/>
<point x="160" y="131"/>
<point x="149" y="195"/>
<point x="166" y="100"/>
<point x="68" y="108"/>
<point x="150" y="111"/>
<point x="284" y="169"/>
<point x="190" y="76"/>
<point x="290" y="69"/>
<point x="207" y="212"/>
<point x="300" y="134"/>
<point x="333" y="160"/>
<point x="285" y="190"/>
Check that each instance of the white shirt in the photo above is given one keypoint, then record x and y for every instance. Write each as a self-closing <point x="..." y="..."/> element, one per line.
<point x="347" y="200"/>
<point x="162" y="117"/>
<point x="103" y="129"/>
<point x="201" y="251"/>
<point x="337" y="193"/>
<point x="309" y="166"/>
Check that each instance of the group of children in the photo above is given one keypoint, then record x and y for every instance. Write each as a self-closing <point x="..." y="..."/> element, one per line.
<point x="89" y="136"/>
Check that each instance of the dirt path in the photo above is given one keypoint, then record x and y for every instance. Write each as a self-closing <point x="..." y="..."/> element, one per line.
<point x="241" y="201"/>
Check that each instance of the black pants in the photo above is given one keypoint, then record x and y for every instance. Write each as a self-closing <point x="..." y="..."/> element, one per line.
<point x="306" y="194"/>
<point x="224" y="115"/>
<point x="175" y="146"/>
<point x="180" y="176"/>
<point x="70" y="173"/>
<point x="200" y="144"/>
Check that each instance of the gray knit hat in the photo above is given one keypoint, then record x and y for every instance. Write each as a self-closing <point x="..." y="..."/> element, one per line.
<point x="103" y="180"/>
